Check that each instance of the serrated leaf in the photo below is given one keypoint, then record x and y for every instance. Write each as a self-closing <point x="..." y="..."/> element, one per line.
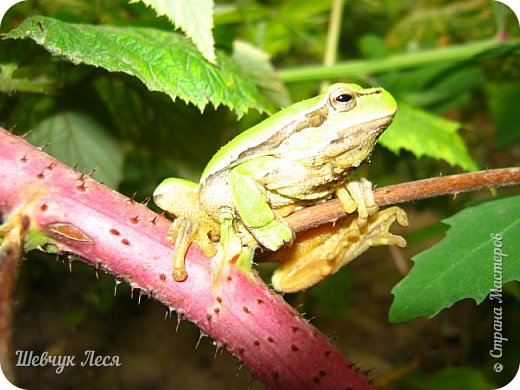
<point x="466" y="264"/>
<point x="425" y="134"/>
<point x="194" y="17"/>
<point x="75" y="138"/>
<point x="163" y="61"/>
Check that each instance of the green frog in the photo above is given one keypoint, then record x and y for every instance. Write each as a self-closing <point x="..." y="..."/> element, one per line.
<point x="298" y="157"/>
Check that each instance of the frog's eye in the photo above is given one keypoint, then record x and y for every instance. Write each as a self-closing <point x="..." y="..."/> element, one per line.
<point x="342" y="100"/>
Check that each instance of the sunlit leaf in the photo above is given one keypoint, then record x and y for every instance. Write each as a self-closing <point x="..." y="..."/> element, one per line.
<point x="425" y="134"/>
<point x="163" y="61"/>
<point x="194" y="17"/>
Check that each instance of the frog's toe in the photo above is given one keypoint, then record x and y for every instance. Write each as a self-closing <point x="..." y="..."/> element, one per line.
<point x="180" y="274"/>
<point x="380" y="224"/>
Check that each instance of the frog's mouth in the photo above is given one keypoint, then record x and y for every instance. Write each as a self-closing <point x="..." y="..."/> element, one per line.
<point x="358" y="143"/>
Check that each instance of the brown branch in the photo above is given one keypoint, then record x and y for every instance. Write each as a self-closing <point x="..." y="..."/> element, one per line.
<point x="331" y="210"/>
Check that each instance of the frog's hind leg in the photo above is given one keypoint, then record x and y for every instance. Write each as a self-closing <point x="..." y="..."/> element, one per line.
<point x="320" y="252"/>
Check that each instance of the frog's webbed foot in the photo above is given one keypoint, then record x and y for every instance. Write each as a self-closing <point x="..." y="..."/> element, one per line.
<point x="322" y="251"/>
<point x="358" y="196"/>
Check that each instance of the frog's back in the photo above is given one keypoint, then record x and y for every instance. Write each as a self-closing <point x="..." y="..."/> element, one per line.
<point x="262" y="138"/>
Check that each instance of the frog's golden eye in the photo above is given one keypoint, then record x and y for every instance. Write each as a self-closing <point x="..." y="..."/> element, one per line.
<point x="342" y="100"/>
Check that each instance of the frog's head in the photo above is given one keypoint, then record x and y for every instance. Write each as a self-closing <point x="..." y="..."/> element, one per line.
<point x="358" y="116"/>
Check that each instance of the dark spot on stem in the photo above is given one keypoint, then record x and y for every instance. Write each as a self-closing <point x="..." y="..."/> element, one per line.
<point x="219" y="299"/>
<point x="256" y="343"/>
<point x="295" y="329"/>
<point x="275" y="375"/>
<point x="294" y="348"/>
<point x="125" y="241"/>
<point x="81" y="187"/>
<point x="115" y="232"/>
<point x="44" y="207"/>
<point x="69" y="231"/>
<point x="24" y="159"/>
<point x="270" y="339"/>
<point x="134" y="220"/>
<point x="259" y="301"/>
<point x="26" y="222"/>
<point x="327" y="353"/>
<point x="162" y="277"/>
<point x="41" y="175"/>
<point x="216" y="310"/>
<point x="245" y="309"/>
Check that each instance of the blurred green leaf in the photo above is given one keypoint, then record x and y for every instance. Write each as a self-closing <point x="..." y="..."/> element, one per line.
<point x="256" y="65"/>
<point x="503" y="99"/>
<point x="447" y="378"/>
<point x="164" y="61"/>
<point x="332" y="293"/>
<point x="458" y="378"/>
<point x="75" y="138"/>
<point x="75" y="316"/>
<point x="194" y="17"/>
<point x="462" y="265"/>
<point x="425" y="134"/>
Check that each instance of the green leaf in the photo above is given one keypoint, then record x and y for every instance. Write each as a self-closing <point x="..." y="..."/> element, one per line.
<point x="480" y="247"/>
<point x="503" y="100"/>
<point x="448" y="378"/>
<point x="332" y="293"/>
<point x="163" y="61"/>
<point x="425" y="134"/>
<point x="458" y="378"/>
<point x="256" y="64"/>
<point x="75" y="138"/>
<point x="194" y="17"/>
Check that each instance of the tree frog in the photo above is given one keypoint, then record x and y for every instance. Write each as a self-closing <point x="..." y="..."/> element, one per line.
<point x="299" y="156"/>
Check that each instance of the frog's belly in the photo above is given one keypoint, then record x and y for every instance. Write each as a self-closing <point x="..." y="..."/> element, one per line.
<point x="283" y="184"/>
<point x="303" y="185"/>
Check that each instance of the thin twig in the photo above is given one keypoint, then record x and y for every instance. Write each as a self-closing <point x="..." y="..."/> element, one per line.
<point x="331" y="210"/>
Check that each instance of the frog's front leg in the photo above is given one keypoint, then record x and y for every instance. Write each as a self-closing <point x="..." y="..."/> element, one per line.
<point x="358" y="196"/>
<point x="180" y="198"/>
<point x="269" y="229"/>
<point x="320" y="252"/>
<point x="233" y="248"/>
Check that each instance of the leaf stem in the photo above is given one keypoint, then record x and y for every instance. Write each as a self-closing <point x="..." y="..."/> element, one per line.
<point x="453" y="54"/>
